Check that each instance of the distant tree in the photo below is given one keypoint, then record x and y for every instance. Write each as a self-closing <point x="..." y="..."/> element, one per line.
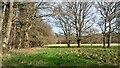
<point x="40" y="34"/>
<point x="91" y="33"/>
<point x="64" y="21"/>
<point x="74" y="18"/>
<point x="103" y="27"/>
<point x="81" y="18"/>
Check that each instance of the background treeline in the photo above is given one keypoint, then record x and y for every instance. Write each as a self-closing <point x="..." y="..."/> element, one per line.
<point x="90" y="39"/>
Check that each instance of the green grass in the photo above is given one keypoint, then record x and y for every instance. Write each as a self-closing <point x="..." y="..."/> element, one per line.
<point x="62" y="56"/>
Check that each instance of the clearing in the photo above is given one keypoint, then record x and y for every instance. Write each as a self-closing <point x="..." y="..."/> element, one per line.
<point x="62" y="56"/>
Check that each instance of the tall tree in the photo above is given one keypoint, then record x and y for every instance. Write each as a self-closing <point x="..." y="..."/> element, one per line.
<point x="76" y="14"/>
<point x="9" y="24"/>
<point x="103" y="26"/>
<point x="64" y="21"/>
<point x="118" y="17"/>
<point x="2" y="12"/>
<point x="108" y="12"/>
<point x="25" y="16"/>
<point x="81" y="18"/>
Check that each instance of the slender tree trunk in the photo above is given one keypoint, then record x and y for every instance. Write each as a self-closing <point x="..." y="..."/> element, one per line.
<point x="109" y="35"/>
<point x="20" y="42"/>
<point x="104" y="34"/>
<point x="20" y="37"/>
<point x="27" y="36"/>
<point x="27" y="39"/>
<point x="9" y="24"/>
<point x="2" y="12"/>
<point x="104" y="40"/>
<point x="79" y="38"/>
<point x="14" y="37"/>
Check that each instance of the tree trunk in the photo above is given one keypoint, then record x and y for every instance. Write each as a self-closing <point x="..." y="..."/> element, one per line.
<point x="9" y="24"/>
<point x="109" y="35"/>
<point x="27" y="39"/>
<point x="91" y="43"/>
<point x="14" y="37"/>
<point x="20" y="37"/>
<point x="27" y="36"/>
<point x="79" y="42"/>
<point x="104" y="34"/>
<point x="104" y="40"/>
<point x="68" y="43"/>
<point x="2" y="12"/>
<point x="20" y="42"/>
<point x="109" y="40"/>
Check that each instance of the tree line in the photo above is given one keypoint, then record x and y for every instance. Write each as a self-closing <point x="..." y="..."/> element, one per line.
<point x="75" y="19"/>
<point x="24" y="24"/>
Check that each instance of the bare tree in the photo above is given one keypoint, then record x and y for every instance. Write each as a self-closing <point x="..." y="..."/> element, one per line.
<point x="108" y="12"/>
<point x="103" y="26"/>
<point x="77" y="15"/>
<point x="81" y="18"/>
<point x="64" y="21"/>
<point x="91" y="33"/>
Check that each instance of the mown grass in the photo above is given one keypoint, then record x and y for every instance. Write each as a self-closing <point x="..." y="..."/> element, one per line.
<point x="62" y="56"/>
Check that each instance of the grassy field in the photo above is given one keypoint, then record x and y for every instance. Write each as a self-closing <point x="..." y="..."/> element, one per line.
<point x="62" y="56"/>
